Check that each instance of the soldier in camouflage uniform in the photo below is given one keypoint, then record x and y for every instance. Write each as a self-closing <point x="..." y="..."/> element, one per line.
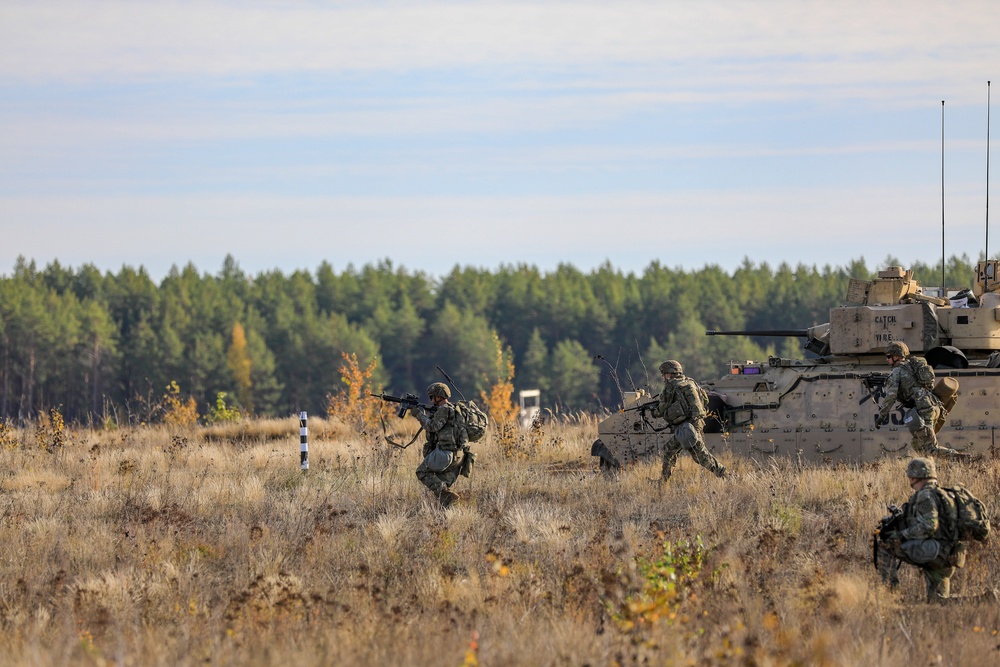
<point x="683" y="405"/>
<point x="446" y="437"/>
<point x="903" y="386"/>
<point x="923" y="536"/>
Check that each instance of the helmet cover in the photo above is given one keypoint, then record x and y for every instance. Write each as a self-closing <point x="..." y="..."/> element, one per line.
<point x="438" y="389"/>
<point x="921" y="468"/>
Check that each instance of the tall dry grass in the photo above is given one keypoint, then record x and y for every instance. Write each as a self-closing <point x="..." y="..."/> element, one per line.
<point x="170" y="546"/>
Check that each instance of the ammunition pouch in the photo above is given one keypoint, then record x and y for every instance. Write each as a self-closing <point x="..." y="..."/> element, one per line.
<point x="927" y="553"/>
<point x="914" y="422"/>
<point x="439" y="460"/>
<point x="687" y="435"/>
<point x="468" y="462"/>
<point x="675" y="413"/>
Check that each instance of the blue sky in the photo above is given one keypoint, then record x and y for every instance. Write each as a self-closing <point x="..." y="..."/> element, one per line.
<point x="167" y="132"/>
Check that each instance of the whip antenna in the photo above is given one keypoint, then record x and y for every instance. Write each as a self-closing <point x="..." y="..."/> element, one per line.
<point x="987" y="170"/>
<point x="451" y="382"/>
<point x="942" y="199"/>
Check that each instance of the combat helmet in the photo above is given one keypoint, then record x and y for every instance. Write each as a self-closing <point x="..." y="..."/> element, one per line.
<point x="671" y="366"/>
<point x="921" y="468"/>
<point x="897" y="349"/>
<point x="438" y="389"/>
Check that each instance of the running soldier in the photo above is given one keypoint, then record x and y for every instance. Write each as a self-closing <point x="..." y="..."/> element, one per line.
<point x="684" y="405"/>
<point x="910" y="383"/>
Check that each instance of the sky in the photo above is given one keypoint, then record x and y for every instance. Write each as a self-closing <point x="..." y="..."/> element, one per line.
<point x="162" y="133"/>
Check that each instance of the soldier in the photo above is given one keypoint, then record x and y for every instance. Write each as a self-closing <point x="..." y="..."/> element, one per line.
<point x="924" y="534"/>
<point x="904" y="386"/>
<point x="446" y="437"/>
<point x="684" y="405"/>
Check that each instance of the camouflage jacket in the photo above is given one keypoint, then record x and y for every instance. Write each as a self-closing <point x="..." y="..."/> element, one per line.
<point x="902" y="386"/>
<point x="681" y="400"/>
<point x="445" y="428"/>
<point x="929" y="514"/>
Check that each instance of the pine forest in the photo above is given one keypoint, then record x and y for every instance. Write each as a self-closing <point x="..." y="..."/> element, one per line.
<point x="108" y="347"/>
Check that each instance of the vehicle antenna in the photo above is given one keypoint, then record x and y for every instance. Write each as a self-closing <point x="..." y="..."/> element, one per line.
<point x="451" y="382"/>
<point x="645" y="371"/>
<point x="987" y="170"/>
<point x="613" y="372"/>
<point x="942" y="200"/>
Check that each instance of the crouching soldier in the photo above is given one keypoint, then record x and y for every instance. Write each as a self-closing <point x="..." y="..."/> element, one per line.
<point x="446" y="438"/>
<point x="922" y="534"/>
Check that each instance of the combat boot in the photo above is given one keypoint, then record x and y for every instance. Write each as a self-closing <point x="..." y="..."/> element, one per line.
<point x="447" y="497"/>
<point x="990" y="596"/>
<point x="888" y="568"/>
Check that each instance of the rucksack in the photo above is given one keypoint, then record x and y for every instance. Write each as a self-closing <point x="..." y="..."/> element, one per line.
<point x="704" y="396"/>
<point x="476" y="420"/>
<point x="973" y="522"/>
<point x="695" y="397"/>
<point x="922" y="372"/>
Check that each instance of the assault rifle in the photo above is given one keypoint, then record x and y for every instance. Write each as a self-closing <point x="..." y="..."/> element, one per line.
<point x="886" y="525"/>
<point x="405" y="403"/>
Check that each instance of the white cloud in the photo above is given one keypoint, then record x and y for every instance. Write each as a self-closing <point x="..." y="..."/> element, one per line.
<point x="775" y="44"/>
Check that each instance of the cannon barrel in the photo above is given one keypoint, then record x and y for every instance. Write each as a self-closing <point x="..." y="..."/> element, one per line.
<point x="801" y="333"/>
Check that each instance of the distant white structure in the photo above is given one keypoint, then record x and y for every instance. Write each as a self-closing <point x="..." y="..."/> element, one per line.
<point x="531" y="405"/>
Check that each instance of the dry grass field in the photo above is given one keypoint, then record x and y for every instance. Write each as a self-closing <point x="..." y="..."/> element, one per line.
<point x="199" y="546"/>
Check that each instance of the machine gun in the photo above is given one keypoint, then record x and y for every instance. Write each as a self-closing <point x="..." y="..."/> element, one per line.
<point x="405" y="403"/>
<point x="874" y="383"/>
<point x="642" y="407"/>
<point x="886" y="524"/>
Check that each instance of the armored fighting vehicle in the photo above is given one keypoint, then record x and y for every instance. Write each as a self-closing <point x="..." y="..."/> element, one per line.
<point x="822" y="409"/>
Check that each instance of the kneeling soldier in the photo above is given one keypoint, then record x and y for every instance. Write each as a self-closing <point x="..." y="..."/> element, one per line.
<point x="446" y="437"/>
<point x="922" y="535"/>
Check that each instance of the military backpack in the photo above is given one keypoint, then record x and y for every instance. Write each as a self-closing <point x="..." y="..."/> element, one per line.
<point x="696" y="398"/>
<point x="476" y="420"/>
<point x="922" y="372"/>
<point x="972" y="520"/>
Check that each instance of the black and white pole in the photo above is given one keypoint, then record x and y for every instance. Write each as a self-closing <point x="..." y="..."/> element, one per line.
<point x="303" y="442"/>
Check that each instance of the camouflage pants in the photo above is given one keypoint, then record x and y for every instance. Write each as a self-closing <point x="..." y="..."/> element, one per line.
<point x="923" y="554"/>
<point x="439" y="481"/>
<point x="688" y="436"/>
<point x="925" y="440"/>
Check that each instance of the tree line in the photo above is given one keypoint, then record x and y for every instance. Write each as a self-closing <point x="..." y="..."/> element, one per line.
<point x="105" y="346"/>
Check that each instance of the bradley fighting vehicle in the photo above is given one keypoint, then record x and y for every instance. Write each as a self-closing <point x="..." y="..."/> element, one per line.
<point x="823" y="409"/>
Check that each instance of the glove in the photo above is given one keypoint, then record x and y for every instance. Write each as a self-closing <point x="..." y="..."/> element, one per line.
<point x="881" y="420"/>
<point x="890" y="536"/>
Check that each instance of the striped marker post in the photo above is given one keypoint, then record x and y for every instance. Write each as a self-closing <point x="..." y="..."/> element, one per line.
<point x="303" y="442"/>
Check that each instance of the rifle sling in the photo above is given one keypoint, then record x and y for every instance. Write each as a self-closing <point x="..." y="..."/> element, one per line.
<point x="385" y="434"/>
